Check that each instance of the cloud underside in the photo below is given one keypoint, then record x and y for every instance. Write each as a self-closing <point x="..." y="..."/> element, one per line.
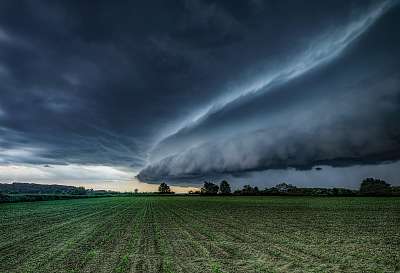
<point x="344" y="143"/>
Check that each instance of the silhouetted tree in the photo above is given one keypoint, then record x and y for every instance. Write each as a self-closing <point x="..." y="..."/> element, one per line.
<point x="395" y="190"/>
<point x="136" y="191"/>
<point x="209" y="188"/>
<point x="249" y="190"/>
<point x="374" y="186"/>
<point x="79" y="191"/>
<point x="224" y="187"/>
<point x="341" y="192"/>
<point x="164" y="188"/>
<point x="284" y="187"/>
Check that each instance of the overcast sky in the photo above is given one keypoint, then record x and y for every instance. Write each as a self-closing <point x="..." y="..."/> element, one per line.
<point x="125" y="94"/>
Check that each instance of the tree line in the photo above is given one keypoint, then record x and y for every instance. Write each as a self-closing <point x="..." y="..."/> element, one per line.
<point x="368" y="187"/>
<point x="29" y="192"/>
<point x="32" y="188"/>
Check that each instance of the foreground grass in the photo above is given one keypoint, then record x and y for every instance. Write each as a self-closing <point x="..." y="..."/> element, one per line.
<point x="201" y="234"/>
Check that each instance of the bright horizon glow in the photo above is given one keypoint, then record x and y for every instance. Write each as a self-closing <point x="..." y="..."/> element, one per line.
<point x="88" y="176"/>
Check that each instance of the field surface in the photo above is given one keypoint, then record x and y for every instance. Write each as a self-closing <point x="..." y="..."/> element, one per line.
<point x="201" y="234"/>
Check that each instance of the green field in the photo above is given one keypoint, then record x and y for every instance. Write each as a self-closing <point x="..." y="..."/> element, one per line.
<point x="201" y="234"/>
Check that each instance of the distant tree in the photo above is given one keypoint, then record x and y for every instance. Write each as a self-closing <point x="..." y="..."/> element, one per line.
<point x="284" y="187"/>
<point x="395" y="191"/>
<point x="374" y="186"/>
<point x="209" y="188"/>
<point x="224" y="187"/>
<point x="164" y="188"/>
<point x="79" y="191"/>
<point x="341" y="192"/>
<point x="249" y="190"/>
<point x="136" y="191"/>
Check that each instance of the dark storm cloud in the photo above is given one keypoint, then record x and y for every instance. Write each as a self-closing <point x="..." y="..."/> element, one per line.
<point x="122" y="84"/>
<point x="98" y="90"/>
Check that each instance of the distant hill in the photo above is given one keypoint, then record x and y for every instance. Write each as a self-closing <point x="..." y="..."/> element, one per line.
<point x="31" y="188"/>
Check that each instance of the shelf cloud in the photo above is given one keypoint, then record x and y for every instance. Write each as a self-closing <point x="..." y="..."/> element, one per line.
<point x="302" y="116"/>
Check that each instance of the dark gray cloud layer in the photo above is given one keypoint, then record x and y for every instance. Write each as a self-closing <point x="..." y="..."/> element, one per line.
<point x="168" y="87"/>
